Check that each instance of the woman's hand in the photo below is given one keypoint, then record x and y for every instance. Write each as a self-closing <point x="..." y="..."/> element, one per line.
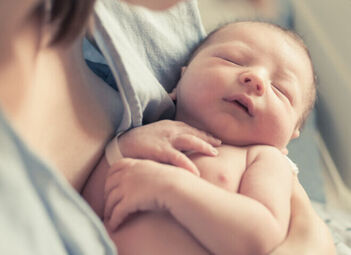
<point x="308" y="235"/>
<point x="165" y="141"/>
<point x="136" y="185"/>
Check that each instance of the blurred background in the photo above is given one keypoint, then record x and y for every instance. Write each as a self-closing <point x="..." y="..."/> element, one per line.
<point x="215" y="12"/>
<point x="323" y="152"/>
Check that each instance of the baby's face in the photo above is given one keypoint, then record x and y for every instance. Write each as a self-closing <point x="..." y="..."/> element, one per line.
<point x="246" y="86"/>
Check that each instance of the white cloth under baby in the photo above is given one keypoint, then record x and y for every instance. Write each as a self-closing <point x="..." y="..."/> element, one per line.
<point x="294" y="167"/>
<point x="112" y="151"/>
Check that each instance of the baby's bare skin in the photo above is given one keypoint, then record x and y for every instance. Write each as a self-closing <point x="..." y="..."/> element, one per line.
<point x="157" y="232"/>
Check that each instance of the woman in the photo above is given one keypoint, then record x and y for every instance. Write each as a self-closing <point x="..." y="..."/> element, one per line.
<point x="66" y="115"/>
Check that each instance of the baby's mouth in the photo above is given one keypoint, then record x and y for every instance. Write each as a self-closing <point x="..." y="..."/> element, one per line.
<point x="243" y="106"/>
<point x="242" y="102"/>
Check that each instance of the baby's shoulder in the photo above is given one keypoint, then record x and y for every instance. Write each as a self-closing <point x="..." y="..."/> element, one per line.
<point x="269" y="155"/>
<point x="264" y="149"/>
<point x="230" y="149"/>
<point x="262" y="152"/>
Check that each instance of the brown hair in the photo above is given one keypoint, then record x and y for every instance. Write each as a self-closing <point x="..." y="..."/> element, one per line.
<point x="68" y="16"/>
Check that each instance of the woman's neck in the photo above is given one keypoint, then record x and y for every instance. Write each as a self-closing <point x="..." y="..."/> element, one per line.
<point x="19" y="50"/>
<point x="63" y="114"/>
<point x="62" y="66"/>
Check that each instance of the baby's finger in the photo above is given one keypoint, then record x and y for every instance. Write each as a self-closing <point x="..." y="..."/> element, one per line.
<point x="179" y="159"/>
<point x="119" y="213"/>
<point x="112" y="182"/>
<point x="120" y="165"/>
<point x="113" y="199"/>
<point x="186" y="142"/>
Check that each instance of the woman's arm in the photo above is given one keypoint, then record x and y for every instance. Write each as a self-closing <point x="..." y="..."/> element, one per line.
<point x="308" y="234"/>
<point x="224" y="222"/>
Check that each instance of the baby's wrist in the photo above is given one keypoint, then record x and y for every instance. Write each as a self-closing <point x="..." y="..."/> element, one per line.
<point x="172" y="188"/>
<point x="124" y="143"/>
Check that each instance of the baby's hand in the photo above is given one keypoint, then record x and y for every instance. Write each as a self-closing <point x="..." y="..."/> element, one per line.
<point x="165" y="141"/>
<point x="136" y="185"/>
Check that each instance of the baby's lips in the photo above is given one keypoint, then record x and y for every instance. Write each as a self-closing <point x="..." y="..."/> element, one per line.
<point x="244" y="101"/>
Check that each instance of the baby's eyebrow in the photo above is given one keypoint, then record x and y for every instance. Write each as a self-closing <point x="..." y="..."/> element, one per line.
<point x="286" y="73"/>
<point x="243" y="47"/>
<point x="237" y="46"/>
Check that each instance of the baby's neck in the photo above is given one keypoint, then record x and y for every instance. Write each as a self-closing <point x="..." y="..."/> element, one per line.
<point x="197" y="125"/>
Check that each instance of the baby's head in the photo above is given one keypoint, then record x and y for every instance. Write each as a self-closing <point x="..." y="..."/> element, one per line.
<point x="248" y="83"/>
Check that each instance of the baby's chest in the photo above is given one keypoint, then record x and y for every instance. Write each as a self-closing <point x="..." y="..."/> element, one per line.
<point x="225" y="170"/>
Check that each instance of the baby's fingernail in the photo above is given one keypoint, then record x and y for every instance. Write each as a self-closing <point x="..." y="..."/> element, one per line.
<point x="218" y="141"/>
<point x="214" y="151"/>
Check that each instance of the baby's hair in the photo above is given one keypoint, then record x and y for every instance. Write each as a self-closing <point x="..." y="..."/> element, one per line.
<point x="293" y="35"/>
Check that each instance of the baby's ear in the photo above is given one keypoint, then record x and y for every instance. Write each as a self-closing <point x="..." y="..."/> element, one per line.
<point x="296" y="134"/>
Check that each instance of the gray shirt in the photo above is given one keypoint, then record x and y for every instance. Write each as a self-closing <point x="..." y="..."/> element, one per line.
<point x="40" y="213"/>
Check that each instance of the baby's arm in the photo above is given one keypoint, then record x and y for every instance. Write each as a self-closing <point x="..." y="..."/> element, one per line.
<point x="163" y="141"/>
<point x="268" y="180"/>
<point x="252" y="222"/>
<point x="225" y="223"/>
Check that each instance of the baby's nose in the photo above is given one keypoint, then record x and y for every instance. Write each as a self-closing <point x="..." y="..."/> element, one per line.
<point x="253" y="81"/>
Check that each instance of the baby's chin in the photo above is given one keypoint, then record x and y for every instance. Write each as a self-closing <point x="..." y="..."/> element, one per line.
<point x="242" y="141"/>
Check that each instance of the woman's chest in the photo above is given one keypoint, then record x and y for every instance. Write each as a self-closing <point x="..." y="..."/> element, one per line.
<point x="69" y="127"/>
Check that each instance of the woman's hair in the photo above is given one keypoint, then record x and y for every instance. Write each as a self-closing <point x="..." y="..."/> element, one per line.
<point x="68" y="17"/>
